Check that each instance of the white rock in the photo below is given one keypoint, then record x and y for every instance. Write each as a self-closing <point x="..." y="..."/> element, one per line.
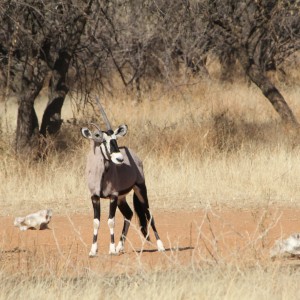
<point x="38" y="220"/>
<point x="289" y="246"/>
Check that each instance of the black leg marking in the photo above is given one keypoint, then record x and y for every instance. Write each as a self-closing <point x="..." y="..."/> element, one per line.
<point x="96" y="223"/>
<point x="152" y="223"/>
<point x="97" y="212"/>
<point x="113" y="207"/>
<point x="111" y="223"/>
<point x="127" y="213"/>
<point x="112" y="238"/>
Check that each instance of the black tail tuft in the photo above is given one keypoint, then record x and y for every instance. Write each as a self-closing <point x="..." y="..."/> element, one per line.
<point x="140" y="209"/>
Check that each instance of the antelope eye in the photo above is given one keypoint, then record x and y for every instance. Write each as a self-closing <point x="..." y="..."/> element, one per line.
<point x="97" y="135"/>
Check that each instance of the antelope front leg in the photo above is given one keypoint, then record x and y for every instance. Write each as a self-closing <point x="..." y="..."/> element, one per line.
<point x="111" y="224"/>
<point x="96" y="222"/>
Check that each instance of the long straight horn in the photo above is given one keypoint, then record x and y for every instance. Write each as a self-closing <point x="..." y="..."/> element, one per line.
<point x="103" y="114"/>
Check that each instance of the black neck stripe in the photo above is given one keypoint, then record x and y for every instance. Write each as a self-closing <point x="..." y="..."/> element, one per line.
<point x="114" y="146"/>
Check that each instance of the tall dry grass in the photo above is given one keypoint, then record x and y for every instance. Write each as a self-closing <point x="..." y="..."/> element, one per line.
<point x="218" y="282"/>
<point x="201" y="144"/>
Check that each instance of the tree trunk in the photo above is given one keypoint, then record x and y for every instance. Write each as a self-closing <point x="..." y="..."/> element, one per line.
<point x="27" y="136"/>
<point x="58" y="90"/>
<point x="267" y="88"/>
<point x="227" y="60"/>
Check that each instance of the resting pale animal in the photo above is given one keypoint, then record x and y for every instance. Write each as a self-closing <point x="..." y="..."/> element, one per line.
<point x="38" y="220"/>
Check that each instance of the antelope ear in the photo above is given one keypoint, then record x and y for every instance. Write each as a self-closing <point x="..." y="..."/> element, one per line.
<point x="121" y="131"/>
<point x="86" y="133"/>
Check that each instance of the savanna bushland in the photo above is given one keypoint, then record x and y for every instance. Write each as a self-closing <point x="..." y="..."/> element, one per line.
<point x="210" y="93"/>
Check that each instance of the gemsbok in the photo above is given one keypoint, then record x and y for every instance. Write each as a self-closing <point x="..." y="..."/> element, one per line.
<point x="112" y="172"/>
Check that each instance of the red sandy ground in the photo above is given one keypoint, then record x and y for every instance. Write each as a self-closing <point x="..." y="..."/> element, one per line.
<point x="189" y="237"/>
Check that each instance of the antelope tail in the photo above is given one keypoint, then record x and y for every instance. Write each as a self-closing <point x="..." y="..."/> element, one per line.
<point x="140" y="210"/>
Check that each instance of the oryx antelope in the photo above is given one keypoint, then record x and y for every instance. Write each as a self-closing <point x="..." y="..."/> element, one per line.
<point x="112" y="172"/>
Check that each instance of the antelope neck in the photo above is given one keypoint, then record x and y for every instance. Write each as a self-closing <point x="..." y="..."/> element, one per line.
<point x="105" y="151"/>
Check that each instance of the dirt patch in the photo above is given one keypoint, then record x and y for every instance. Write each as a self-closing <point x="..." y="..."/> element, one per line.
<point x="193" y="237"/>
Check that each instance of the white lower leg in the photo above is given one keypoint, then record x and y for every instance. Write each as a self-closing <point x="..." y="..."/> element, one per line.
<point x="94" y="250"/>
<point x="120" y="247"/>
<point x="112" y="249"/>
<point x="160" y="246"/>
<point x="94" y="247"/>
<point x="112" y="246"/>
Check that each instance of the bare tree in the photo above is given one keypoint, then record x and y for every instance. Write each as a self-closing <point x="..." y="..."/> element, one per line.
<point x="143" y="41"/>
<point x="261" y="33"/>
<point x="23" y="69"/>
<point x="69" y="23"/>
<point x="39" y="38"/>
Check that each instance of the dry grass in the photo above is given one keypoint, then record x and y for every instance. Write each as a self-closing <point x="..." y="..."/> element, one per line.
<point x="200" y="144"/>
<point x="184" y="283"/>
<point x="205" y="280"/>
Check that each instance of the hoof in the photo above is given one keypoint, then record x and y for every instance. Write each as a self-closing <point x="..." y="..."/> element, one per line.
<point x="120" y="248"/>
<point x="112" y="250"/>
<point x="160" y="246"/>
<point x="92" y="254"/>
<point x="94" y="250"/>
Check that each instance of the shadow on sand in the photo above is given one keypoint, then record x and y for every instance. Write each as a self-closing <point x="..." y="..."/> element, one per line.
<point x="166" y="250"/>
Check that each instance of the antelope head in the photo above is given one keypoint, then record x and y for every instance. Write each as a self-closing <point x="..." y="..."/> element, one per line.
<point x="107" y="140"/>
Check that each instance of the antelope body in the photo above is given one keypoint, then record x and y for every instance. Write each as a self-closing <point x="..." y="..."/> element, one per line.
<point x="112" y="172"/>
